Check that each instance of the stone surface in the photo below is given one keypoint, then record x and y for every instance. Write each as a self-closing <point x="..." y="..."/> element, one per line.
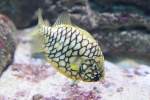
<point x="35" y="79"/>
<point x="106" y="20"/>
<point x="21" y="12"/>
<point x="125" y="5"/>
<point x="82" y="8"/>
<point x="7" y="43"/>
<point x="23" y="82"/>
<point x="133" y="44"/>
<point x="121" y="27"/>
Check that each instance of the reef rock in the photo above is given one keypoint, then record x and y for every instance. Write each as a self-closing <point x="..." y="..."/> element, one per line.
<point x="34" y="79"/>
<point x="121" y="27"/>
<point x="125" y="5"/>
<point x="7" y="43"/>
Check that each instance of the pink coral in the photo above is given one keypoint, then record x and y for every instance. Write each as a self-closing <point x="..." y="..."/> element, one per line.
<point x="76" y="93"/>
<point x="34" y="73"/>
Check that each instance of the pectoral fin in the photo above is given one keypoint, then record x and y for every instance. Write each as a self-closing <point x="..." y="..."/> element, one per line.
<point x="74" y="67"/>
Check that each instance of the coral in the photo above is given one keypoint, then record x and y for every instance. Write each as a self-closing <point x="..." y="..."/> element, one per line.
<point x="7" y="43"/>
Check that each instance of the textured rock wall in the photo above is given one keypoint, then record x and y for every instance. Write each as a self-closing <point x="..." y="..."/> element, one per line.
<point x="7" y="43"/>
<point x="122" y="27"/>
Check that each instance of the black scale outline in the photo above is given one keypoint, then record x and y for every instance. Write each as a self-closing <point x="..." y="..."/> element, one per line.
<point x="64" y="53"/>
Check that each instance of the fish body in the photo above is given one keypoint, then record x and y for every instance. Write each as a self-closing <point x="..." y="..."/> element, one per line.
<point x="72" y="50"/>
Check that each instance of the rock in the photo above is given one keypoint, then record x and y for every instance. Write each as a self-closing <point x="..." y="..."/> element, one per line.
<point x="122" y="21"/>
<point x="120" y="30"/>
<point x="21" y="12"/>
<point x="7" y="43"/>
<point x="133" y="44"/>
<point x="52" y="8"/>
<point x="119" y="83"/>
<point x="125" y="5"/>
<point x="121" y="34"/>
<point x="34" y="79"/>
<point x="37" y="97"/>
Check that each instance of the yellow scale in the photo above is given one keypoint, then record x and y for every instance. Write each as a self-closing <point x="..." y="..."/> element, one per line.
<point x="89" y="66"/>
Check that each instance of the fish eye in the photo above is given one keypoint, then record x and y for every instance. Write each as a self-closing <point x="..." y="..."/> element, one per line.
<point x="96" y="77"/>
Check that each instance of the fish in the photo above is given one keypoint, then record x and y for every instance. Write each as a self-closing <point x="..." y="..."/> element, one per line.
<point x="70" y="49"/>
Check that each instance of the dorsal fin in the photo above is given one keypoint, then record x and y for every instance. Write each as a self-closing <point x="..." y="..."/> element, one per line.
<point x="64" y="18"/>
<point x="40" y="19"/>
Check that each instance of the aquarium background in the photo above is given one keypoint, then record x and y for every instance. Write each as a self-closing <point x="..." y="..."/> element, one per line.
<point x="122" y="28"/>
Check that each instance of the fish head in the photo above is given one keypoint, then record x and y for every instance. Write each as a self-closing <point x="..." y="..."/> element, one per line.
<point x="89" y="71"/>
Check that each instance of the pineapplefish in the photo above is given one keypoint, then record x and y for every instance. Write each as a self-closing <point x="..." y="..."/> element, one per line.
<point x="70" y="49"/>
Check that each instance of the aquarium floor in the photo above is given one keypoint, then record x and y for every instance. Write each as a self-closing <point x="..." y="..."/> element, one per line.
<point x="34" y="79"/>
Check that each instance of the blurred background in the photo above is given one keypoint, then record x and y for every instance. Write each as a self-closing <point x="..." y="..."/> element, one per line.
<point x="121" y="27"/>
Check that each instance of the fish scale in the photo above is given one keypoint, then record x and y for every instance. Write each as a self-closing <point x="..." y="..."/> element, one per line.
<point x="72" y="50"/>
<point x="72" y="42"/>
